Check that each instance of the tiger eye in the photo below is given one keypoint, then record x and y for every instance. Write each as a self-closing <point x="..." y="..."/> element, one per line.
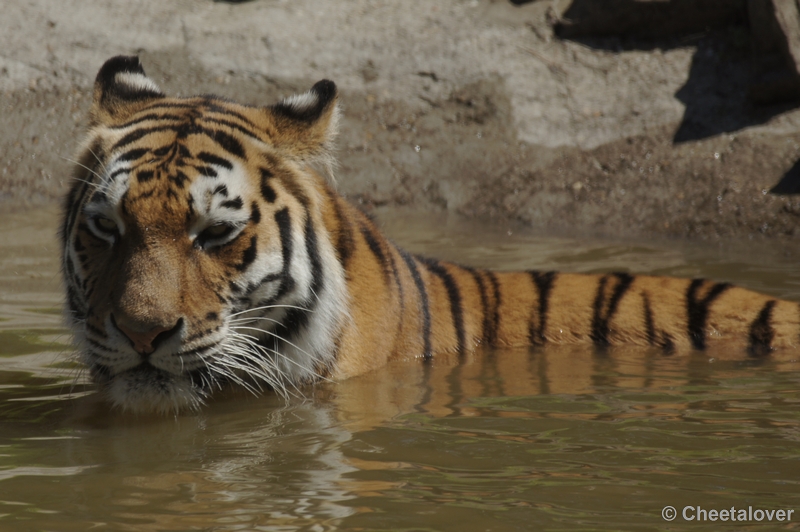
<point x="105" y="224"/>
<point x="218" y="230"/>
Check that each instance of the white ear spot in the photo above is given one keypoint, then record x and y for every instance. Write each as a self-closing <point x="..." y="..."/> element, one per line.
<point x="136" y="82"/>
<point x="302" y="102"/>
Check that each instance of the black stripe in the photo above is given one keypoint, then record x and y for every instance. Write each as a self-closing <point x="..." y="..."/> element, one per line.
<point x="495" y="329"/>
<point x="173" y="105"/>
<point x="381" y="249"/>
<point x="233" y="287"/>
<point x="284" y="222"/>
<point x="249" y="254"/>
<point x="98" y="197"/>
<point x="344" y="238"/>
<point x="98" y="345"/>
<point x="397" y="282"/>
<point x="232" y="125"/>
<point x="145" y="118"/>
<point x="224" y="140"/>
<point x="255" y="213"/>
<point x="454" y="295"/>
<point x="385" y="259"/>
<point x="164" y="150"/>
<point x="486" y="324"/>
<point x="206" y="171"/>
<point x="179" y="179"/>
<point x="267" y="191"/>
<point x="286" y="178"/>
<point x="221" y="189"/>
<point x="94" y="330"/>
<point x="210" y="158"/>
<point x="144" y="195"/>
<point x="227" y="142"/>
<point x="145" y="176"/>
<point x="423" y="296"/>
<point x="374" y="245"/>
<point x="200" y="334"/>
<point x="235" y="203"/>
<point x="297" y="318"/>
<point x="649" y="325"/>
<point x="761" y="331"/>
<point x="544" y="286"/>
<point x="667" y="342"/>
<point x="270" y="277"/>
<point x="697" y="310"/>
<point x="89" y="285"/>
<point x="215" y="107"/>
<point x="74" y="199"/>
<point x="136" y="134"/>
<point x="69" y="265"/>
<point x="604" y="309"/>
<point x="132" y="155"/>
<point x="75" y="304"/>
<point x="118" y="172"/>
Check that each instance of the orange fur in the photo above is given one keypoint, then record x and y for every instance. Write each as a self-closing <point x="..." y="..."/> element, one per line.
<point x="200" y="248"/>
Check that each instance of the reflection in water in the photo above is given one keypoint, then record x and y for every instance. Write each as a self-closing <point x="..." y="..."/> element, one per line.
<point x="563" y="437"/>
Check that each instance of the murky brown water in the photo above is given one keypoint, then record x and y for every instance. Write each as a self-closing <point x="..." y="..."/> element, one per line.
<point x="560" y="438"/>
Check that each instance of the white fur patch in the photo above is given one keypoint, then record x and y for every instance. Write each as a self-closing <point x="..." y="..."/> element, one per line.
<point x="137" y="82"/>
<point x="144" y="391"/>
<point x="114" y="190"/>
<point x="208" y="206"/>
<point x="302" y="102"/>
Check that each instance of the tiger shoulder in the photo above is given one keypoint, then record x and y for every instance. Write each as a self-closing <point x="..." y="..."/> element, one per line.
<point x="200" y="249"/>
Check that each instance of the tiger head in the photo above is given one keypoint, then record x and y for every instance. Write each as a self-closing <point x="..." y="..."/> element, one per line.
<point x="194" y="246"/>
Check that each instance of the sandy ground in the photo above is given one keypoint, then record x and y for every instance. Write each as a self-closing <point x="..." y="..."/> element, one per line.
<point x="469" y="106"/>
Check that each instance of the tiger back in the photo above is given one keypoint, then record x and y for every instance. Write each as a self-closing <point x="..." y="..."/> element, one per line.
<point x="201" y="249"/>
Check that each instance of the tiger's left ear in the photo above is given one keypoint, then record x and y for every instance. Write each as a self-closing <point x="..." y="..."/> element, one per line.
<point x="306" y="124"/>
<point x="120" y="89"/>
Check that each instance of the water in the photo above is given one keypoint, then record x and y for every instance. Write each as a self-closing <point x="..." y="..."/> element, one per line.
<point x="562" y="438"/>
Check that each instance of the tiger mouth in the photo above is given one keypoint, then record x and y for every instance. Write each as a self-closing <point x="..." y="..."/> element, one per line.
<point x="146" y="388"/>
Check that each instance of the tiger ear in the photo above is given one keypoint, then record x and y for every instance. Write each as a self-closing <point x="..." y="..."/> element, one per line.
<point x="306" y="124"/>
<point x="120" y="89"/>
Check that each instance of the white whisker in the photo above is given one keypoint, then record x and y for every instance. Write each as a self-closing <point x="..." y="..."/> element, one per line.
<point x="270" y="307"/>
<point x="251" y="340"/>
<point x="272" y="334"/>
<point x="85" y="168"/>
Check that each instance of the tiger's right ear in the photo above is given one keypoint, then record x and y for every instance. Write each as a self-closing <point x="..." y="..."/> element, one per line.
<point x="120" y="89"/>
<point x="306" y="124"/>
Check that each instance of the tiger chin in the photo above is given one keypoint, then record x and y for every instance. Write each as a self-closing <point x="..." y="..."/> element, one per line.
<point x="201" y="250"/>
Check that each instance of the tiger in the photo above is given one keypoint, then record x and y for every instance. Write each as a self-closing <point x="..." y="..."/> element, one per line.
<point x="204" y="246"/>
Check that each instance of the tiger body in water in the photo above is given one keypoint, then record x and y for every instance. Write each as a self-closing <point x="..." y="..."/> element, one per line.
<point x="200" y="249"/>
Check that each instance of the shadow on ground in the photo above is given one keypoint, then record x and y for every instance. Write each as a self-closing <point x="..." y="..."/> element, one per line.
<point x="737" y="77"/>
<point x="741" y="73"/>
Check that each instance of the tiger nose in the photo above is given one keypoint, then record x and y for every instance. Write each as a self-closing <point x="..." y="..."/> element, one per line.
<point x="145" y="342"/>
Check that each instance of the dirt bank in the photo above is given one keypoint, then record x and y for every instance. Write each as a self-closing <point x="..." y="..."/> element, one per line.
<point x="472" y="107"/>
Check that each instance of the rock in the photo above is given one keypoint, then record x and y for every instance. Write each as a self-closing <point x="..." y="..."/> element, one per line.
<point x="775" y="27"/>
<point x="648" y="18"/>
